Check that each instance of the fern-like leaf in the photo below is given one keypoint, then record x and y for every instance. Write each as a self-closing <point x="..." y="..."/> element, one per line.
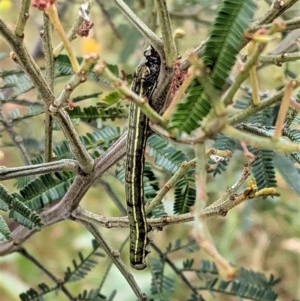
<point x="23" y="214"/>
<point x="92" y="295"/>
<point x="17" y="80"/>
<point x="111" y="98"/>
<point x="263" y="168"/>
<point x="267" y="116"/>
<point x="248" y="284"/>
<point x="34" y="295"/>
<point x="18" y="211"/>
<point x="30" y="111"/>
<point x="166" y="155"/>
<point x="226" y="36"/>
<point x="160" y="283"/>
<point x="63" y="68"/>
<point x="190" y="112"/>
<point x="102" y="137"/>
<point x="46" y="189"/>
<point x="5" y="198"/>
<point x="4" y="230"/>
<point x="158" y="211"/>
<point x="185" y="194"/>
<point x="293" y="135"/>
<point x="189" y="247"/>
<point x="85" y="265"/>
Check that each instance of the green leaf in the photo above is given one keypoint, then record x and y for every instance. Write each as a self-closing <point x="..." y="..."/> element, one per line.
<point x="190" y="112"/>
<point x="23" y="214"/>
<point x="265" y="117"/>
<point x="248" y="284"/>
<point x="5" y="198"/>
<point x="111" y="98"/>
<point x="226" y="36"/>
<point x="165" y="154"/>
<point x="34" y="295"/>
<point x="294" y="136"/>
<point x="46" y="189"/>
<point x="185" y="195"/>
<point x="17" y="80"/>
<point x="94" y="295"/>
<point x="63" y="68"/>
<point x="18" y="211"/>
<point x="102" y="137"/>
<point x="4" y="230"/>
<point x="263" y="168"/>
<point x="160" y="283"/>
<point x="85" y="265"/>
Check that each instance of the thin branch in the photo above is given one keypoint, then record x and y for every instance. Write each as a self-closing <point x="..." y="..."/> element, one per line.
<point x="72" y="33"/>
<point x="123" y="222"/>
<point x="61" y="117"/>
<point x="57" y="281"/>
<point x="83" y="157"/>
<point x="289" y="25"/>
<point x="22" y="19"/>
<point x="49" y="75"/>
<point x="76" y="79"/>
<point x="200" y="231"/>
<point x="225" y="269"/>
<point x="171" y="183"/>
<point x="242" y="76"/>
<point x="292" y="24"/>
<point x="184" y="279"/>
<point x="115" y="258"/>
<point x="284" y="106"/>
<point x="167" y="36"/>
<point x="51" y="11"/>
<point x="113" y="195"/>
<point x="38" y="169"/>
<point x="71" y="199"/>
<point x="264" y="143"/>
<point x="279" y="58"/>
<point x="200" y="177"/>
<point x="219" y="208"/>
<point x="251" y="110"/>
<point x="25" y="60"/>
<point x="108" y="18"/>
<point x="153" y="39"/>
<point x="277" y="8"/>
<point x="110" y="264"/>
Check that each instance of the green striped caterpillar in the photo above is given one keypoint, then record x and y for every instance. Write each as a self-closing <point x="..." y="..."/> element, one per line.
<point x="144" y="83"/>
